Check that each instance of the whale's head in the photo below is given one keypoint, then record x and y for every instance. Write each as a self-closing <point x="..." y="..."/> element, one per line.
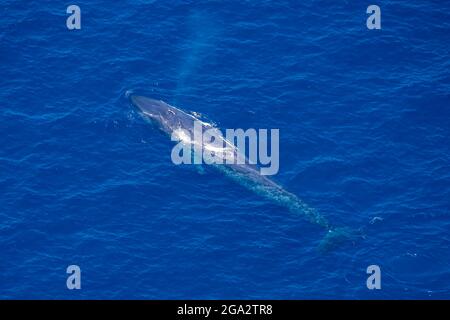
<point x="167" y="117"/>
<point x="156" y="110"/>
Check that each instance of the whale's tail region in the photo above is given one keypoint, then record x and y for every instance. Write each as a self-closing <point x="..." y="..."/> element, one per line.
<point x="334" y="237"/>
<point x="338" y="236"/>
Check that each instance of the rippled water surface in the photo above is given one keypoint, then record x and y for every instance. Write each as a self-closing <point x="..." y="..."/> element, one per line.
<point x="364" y="139"/>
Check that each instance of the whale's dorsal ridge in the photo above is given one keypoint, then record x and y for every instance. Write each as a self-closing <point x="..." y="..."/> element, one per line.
<point x="196" y="114"/>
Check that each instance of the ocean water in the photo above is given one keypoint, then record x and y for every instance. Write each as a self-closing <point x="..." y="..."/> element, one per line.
<point x="364" y="138"/>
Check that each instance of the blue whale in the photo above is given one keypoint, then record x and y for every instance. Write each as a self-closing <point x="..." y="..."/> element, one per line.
<point x="169" y="119"/>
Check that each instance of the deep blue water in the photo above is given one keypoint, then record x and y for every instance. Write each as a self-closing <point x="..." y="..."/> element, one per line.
<point x="364" y="138"/>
